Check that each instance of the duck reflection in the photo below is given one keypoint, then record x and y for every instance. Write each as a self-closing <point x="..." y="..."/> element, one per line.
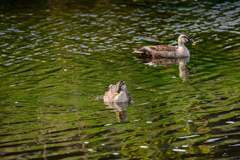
<point x="183" y="72"/>
<point x="119" y="108"/>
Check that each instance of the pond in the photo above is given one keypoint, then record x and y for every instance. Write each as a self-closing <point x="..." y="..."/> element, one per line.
<point x="58" y="57"/>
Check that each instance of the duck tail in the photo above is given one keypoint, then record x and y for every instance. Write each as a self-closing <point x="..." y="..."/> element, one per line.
<point x="139" y="51"/>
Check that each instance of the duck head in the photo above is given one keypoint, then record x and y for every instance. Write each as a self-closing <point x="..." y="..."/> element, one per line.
<point x="184" y="38"/>
<point x="121" y="87"/>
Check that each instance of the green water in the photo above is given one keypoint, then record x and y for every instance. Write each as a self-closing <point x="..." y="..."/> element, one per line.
<point x="59" y="57"/>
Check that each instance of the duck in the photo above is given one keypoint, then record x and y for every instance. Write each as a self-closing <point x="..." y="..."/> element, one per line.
<point x="117" y="93"/>
<point x="166" y="51"/>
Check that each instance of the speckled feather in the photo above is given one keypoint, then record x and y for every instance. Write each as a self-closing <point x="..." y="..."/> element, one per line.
<point x="109" y="95"/>
<point x="159" y="51"/>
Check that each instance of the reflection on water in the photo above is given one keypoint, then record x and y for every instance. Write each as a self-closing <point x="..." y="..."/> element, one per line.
<point x="166" y="62"/>
<point x="120" y="109"/>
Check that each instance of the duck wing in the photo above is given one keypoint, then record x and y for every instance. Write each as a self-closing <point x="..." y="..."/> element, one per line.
<point x="163" y="48"/>
<point x="157" y="51"/>
<point x="110" y="93"/>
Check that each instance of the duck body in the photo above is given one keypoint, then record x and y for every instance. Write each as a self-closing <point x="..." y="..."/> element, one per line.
<point x="166" y="51"/>
<point x="117" y="93"/>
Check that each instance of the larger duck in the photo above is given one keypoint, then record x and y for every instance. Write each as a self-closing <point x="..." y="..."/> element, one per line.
<point x="166" y="51"/>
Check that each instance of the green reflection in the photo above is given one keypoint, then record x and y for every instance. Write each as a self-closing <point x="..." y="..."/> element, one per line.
<point x="58" y="58"/>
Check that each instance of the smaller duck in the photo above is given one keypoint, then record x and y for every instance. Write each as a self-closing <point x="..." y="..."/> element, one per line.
<point x="117" y="93"/>
<point x="166" y="51"/>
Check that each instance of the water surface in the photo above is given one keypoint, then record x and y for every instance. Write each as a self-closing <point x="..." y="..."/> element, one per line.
<point x="59" y="57"/>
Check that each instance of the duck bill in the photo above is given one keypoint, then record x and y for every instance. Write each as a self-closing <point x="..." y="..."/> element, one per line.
<point x="190" y="42"/>
<point x="118" y="91"/>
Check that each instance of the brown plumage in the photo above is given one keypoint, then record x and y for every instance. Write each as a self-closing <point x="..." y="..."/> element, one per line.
<point x="117" y="93"/>
<point x="166" y="51"/>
